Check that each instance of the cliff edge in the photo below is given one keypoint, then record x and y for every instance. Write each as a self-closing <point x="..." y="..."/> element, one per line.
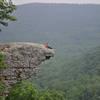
<point x="23" y="60"/>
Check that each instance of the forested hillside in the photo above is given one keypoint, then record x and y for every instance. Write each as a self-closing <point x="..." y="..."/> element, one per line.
<point x="78" y="79"/>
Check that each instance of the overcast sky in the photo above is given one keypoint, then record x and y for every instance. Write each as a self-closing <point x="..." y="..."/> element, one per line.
<point x="17" y="2"/>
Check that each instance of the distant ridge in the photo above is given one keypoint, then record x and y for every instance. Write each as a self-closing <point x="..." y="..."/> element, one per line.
<point x="60" y="4"/>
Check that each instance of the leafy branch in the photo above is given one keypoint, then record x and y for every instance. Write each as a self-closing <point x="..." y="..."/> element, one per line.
<point x="6" y="9"/>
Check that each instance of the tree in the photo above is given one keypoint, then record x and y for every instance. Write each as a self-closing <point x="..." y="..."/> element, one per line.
<point x="3" y="65"/>
<point x="6" y="9"/>
<point x="23" y="91"/>
<point x="51" y="95"/>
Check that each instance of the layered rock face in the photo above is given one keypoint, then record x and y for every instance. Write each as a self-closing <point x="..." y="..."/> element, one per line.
<point x="23" y="60"/>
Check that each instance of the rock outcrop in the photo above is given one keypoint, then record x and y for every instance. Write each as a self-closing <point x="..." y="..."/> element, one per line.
<point x="23" y="60"/>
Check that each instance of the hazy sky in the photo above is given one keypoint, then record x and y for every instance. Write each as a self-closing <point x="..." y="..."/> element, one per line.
<point x="56" y="1"/>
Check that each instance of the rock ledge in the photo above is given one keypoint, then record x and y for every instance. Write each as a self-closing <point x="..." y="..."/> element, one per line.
<point x="23" y="60"/>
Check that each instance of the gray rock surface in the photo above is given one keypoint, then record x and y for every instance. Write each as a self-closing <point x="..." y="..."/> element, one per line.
<point x="23" y="60"/>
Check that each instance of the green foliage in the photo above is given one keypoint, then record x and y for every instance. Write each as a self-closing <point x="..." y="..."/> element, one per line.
<point x="3" y="65"/>
<point x="1" y="88"/>
<point x="6" y="9"/>
<point x="51" y="95"/>
<point x="26" y="91"/>
<point x="23" y="91"/>
<point x="83" y="88"/>
<point x="1" y="98"/>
